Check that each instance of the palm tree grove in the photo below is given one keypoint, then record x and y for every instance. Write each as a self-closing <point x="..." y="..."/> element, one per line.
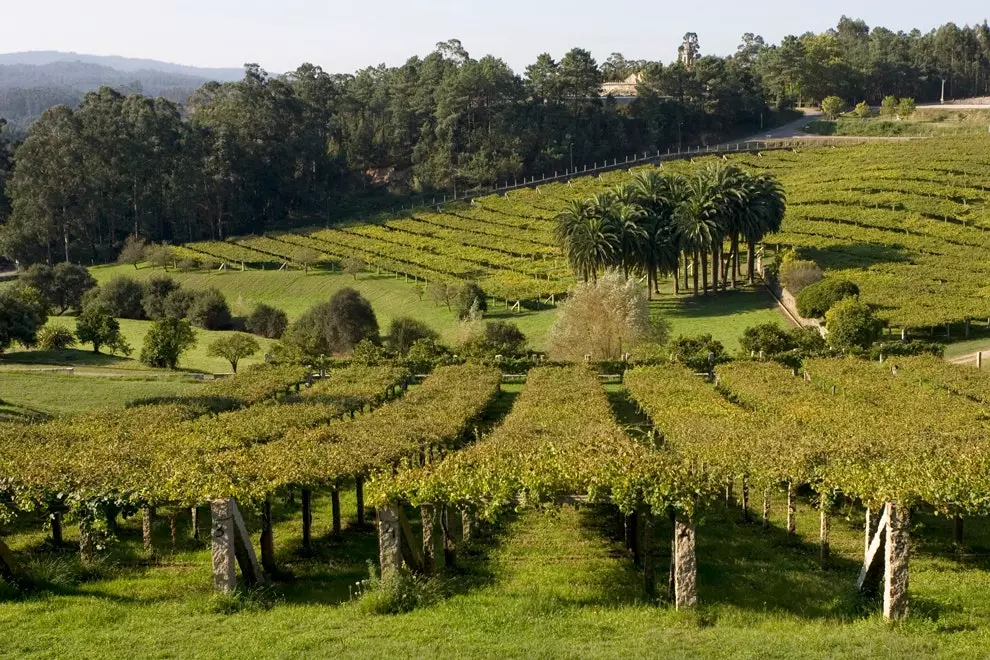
<point x="514" y="346"/>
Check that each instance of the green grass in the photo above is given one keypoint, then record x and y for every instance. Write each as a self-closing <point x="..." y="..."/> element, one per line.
<point x="557" y="585"/>
<point x="924" y="123"/>
<point x="49" y="394"/>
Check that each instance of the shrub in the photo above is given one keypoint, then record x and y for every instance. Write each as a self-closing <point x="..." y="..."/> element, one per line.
<point x="97" y="325"/>
<point x="160" y="256"/>
<point x="888" y="108"/>
<point x="167" y="340"/>
<point x="768" y="338"/>
<point x="55" y="338"/>
<point x="397" y="592"/>
<point x="156" y="292"/>
<point x="177" y="303"/>
<point x="851" y="324"/>
<point x="832" y="107"/>
<point x="863" y="110"/>
<point x="187" y="265"/>
<point x="368" y="353"/>
<point x="816" y="299"/>
<point x="353" y="266"/>
<point x="796" y="274"/>
<point x="133" y="251"/>
<point x="700" y="353"/>
<point x="123" y="296"/>
<point x="904" y="349"/>
<point x="906" y="108"/>
<point x="403" y="332"/>
<point x="425" y="354"/>
<point x="21" y="315"/>
<point x="267" y="321"/>
<point x="209" y="310"/>
<point x="470" y="300"/>
<point x="234" y="348"/>
<point x="63" y="286"/>
<point x="498" y="338"/>
<point x="336" y="326"/>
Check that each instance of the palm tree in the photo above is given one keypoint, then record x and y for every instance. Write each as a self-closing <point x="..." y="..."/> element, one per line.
<point x="659" y="196"/>
<point x="588" y="237"/>
<point x="697" y="226"/>
<point x="765" y="205"/>
<point x="727" y="190"/>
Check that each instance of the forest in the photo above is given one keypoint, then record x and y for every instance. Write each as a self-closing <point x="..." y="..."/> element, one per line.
<point x="307" y="147"/>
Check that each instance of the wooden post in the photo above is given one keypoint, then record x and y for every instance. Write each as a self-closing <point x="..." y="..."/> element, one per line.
<point x="745" y="498"/>
<point x="267" y="537"/>
<point x="427" y="515"/>
<point x="222" y="540"/>
<point x="957" y="530"/>
<point x="685" y="566"/>
<point x="649" y="560"/>
<point x="194" y="512"/>
<point x="449" y="547"/>
<point x="146" y="516"/>
<point x="791" y="508"/>
<point x="412" y="551"/>
<point x="766" y="508"/>
<point x="335" y="507"/>
<point x="359" y="492"/>
<point x="895" y="575"/>
<point x="823" y="545"/>
<point x="173" y="528"/>
<point x="57" y="537"/>
<point x="872" y="571"/>
<point x="979" y="360"/>
<point x="389" y="539"/>
<point x="307" y="517"/>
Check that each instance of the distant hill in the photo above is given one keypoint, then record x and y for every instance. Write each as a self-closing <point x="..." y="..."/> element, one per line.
<point x="127" y="64"/>
<point x="32" y="82"/>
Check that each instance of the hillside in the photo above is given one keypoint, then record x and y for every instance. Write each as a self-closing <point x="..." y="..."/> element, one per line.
<point x="123" y="64"/>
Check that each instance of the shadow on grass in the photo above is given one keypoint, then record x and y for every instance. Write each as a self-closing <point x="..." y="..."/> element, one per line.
<point x="70" y="357"/>
<point x="723" y="303"/>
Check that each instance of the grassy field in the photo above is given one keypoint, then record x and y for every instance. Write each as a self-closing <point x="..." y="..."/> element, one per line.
<point x="50" y="394"/>
<point x="928" y="122"/>
<point x="557" y="585"/>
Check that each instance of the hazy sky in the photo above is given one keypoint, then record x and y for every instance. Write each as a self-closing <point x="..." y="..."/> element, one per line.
<point x="345" y="36"/>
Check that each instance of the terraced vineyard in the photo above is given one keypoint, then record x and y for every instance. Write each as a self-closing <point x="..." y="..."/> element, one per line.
<point x="907" y="221"/>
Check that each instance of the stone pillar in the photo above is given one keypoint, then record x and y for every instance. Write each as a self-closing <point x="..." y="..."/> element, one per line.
<point x="222" y="540"/>
<point x="467" y="525"/>
<point x="335" y="507"/>
<point x="86" y="545"/>
<point x="766" y="508"/>
<point x="146" y="519"/>
<point x="359" y="492"/>
<point x="745" y="499"/>
<point x="728" y="490"/>
<point x="957" y="531"/>
<point x="895" y="575"/>
<point x="685" y="566"/>
<point x="389" y="539"/>
<point x="791" y="508"/>
<point x="267" y="538"/>
<point x="649" y="559"/>
<point x="173" y="529"/>
<point x="194" y="512"/>
<point x="823" y="545"/>
<point x="427" y="514"/>
<point x="449" y="547"/>
<point x="307" y="518"/>
<point x="57" y="538"/>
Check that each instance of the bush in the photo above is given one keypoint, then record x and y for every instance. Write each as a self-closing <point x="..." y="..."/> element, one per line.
<point x="234" y="348"/>
<point x="397" y="592"/>
<point x="123" y="296"/>
<point x="55" y="338"/>
<point x="177" y="303"/>
<point x="187" y="265"/>
<point x="851" y="324"/>
<point x="767" y="338"/>
<point x="368" y="353"/>
<point x="156" y="292"/>
<point x="816" y="299"/>
<point x="160" y="256"/>
<point x="425" y="354"/>
<point x="904" y="349"/>
<point x="796" y="274"/>
<point x="63" y="286"/>
<point x="209" y="310"/>
<point x="267" y="321"/>
<point x="97" y="325"/>
<point x="166" y="341"/>
<point x="832" y="107"/>
<point x="403" y="332"/>
<point x="470" y="300"/>
<point x="21" y="315"/>
<point x="863" y="110"/>
<point x="906" y="108"/>
<point x="334" y="327"/>
<point x="699" y="353"/>
<point x="498" y="338"/>
<point x="888" y="108"/>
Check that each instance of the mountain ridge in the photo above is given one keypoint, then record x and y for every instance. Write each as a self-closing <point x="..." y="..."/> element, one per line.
<point x="121" y="63"/>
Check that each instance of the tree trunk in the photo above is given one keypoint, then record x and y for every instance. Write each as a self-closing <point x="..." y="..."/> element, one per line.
<point x="957" y="530"/>
<point x="267" y="538"/>
<point x="735" y="258"/>
<point x="359" y="492"/>
<point x="716" y="266"/>
<point x="449" y="547"/>
<point x="194" y="512"/>
<point x="824" y="550"/>
<point x="751" y="261"/>
<point x="57" y="537"/>
<point x="307" y="518"/>
<point x="791" y="508"/>
<point x="173" y="529"/>
<point x="335" y="509"/>
<point x="745" y="498"/>
<point x="694" y="268"/>
<point x="704" y="271"/>
<point x="427" y="514"/>
<point x="146" y="520"/>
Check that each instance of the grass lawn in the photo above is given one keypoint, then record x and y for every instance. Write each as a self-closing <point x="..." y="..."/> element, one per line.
<point x="543" y="585"/>
<point x="49" y="394"/>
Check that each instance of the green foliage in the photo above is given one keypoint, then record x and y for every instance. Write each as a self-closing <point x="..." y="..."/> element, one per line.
<point x="699" y="353"/>
<point x="888" y="108"/>
<point x="863" y="110"/>
<point x="96" y="325"/>
<point x="123" y="296"/>
<point x="178" y="303"/>
<point x="403" y="332"/>
<point x="497" y="338"/>
<point x="267" y="321"/>
<point x="166" y="341"/>
<point x="21" y="315"/>
<point x="816" y="299"/>
<point x="395" y="593"/>
<point x="768" y="338"/>
<point x="55" y="338"/>
<point x="832" y="107"/>
<point x="906" y="108"/>
<point x="368" y="353"/>
<point x="133" y="251"/>
<point x="62" y="286"/>
<point x="233" y="348"/>
<point x="336" y="326"/>
<point x="160" y="256"/>
<point x="209" y="310"/>
<point x="796" y="274"/>
<point x="851" y="324"/>
<point x="904" y="349"/>
<point x="470" y="299"/>
<point x="156" y="292"/>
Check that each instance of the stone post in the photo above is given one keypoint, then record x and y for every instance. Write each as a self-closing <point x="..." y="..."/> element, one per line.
<point x="791" y="508"/>
<point x="766" y="508"/>
<point x="824" y="550"/>
<point x="222" y="540"/>
<point x="449" y="547"/>
<point x="389" y="539"/>
<point x="194" y="513"/>
<point x="685" y="566"/>
<point x="267" y="538"/>
<point x="427" y="514"/>
<point x="146" y="520"/>
<point x="57" y="537"/>
<point x="895" y="575"/>
<point x="468" y="525"/>
<point x="745" y="499"/>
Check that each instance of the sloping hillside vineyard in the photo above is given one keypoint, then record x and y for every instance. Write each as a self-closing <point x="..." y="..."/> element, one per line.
<point x="907" y="221"/>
